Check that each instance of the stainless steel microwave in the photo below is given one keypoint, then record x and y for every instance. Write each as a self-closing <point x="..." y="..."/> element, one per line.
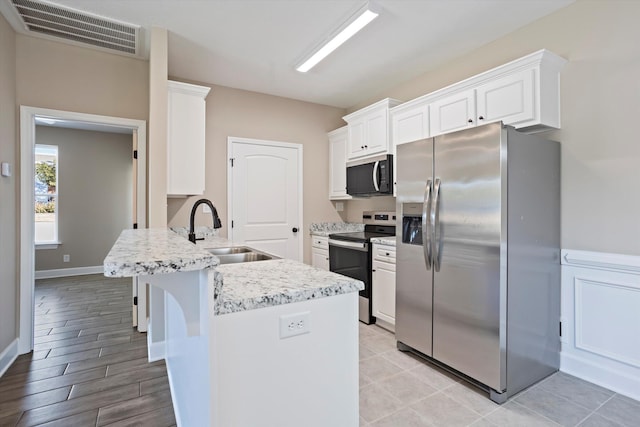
<point x="371" y="179"/>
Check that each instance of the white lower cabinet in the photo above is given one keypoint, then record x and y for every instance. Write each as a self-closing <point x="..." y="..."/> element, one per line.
<point x="384" y="285"/>
<point x="320" y="252"/>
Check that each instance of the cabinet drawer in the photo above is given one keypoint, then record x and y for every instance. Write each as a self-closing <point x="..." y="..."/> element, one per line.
<point x="320" y="242"/>
<point x="384" y="253"/>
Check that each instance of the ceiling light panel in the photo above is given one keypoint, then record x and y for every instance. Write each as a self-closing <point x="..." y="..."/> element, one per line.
<point x="347" y="30"/>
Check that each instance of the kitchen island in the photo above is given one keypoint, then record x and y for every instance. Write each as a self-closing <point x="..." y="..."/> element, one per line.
<point x="250" y="344"/>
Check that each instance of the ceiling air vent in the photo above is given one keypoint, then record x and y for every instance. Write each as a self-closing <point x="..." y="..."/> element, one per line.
<point x="80" y="27"/>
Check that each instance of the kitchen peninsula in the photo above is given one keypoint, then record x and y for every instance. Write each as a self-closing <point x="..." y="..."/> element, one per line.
<point x="258" y="343"/>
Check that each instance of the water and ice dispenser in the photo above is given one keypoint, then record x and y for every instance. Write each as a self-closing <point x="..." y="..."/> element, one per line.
<point x="412" y="223"/>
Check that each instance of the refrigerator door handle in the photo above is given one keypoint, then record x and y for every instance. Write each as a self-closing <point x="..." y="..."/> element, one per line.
<point x="426" y="225"/>
<point x="375" y="176"/>
<point x="435" y="220"/>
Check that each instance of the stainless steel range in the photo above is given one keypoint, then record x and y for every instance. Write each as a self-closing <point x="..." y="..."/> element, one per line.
<point x="350" y="254"/>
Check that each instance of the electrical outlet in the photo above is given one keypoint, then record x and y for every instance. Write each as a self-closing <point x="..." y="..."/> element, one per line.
<point x="295" y="324"/>
<point x="66" y="258"/>
<point x="339" y="206"/>
<point x="206" y="209"/>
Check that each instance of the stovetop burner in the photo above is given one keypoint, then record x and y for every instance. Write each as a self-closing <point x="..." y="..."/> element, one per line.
<point x="360" y="236"/>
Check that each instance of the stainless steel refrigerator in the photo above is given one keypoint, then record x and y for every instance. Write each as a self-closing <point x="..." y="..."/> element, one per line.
<point x="478" y="255"/>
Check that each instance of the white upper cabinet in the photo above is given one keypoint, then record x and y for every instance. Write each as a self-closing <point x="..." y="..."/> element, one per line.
<point x="524" y="93"/>
<point x="410" y="123"/>
<point x="338" y="164"/>
<point x="510" y="98"/>
<point x="369" y="130"/>
<point x="186" y="139"/>
<point x="454" y="112"/>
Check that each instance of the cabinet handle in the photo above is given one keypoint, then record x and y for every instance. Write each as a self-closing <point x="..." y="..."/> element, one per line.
<point x="480" y="118"/>
<point x="327" y="258"/>
<point x="387" y="253"/>
<point x="470" y="121"/>
<point x="362" y="147"/>
<point x="366" y="146"/>
<point x="373" y="271"/>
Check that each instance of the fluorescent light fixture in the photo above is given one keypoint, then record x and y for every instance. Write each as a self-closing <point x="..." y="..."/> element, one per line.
<point x="357" y="22"/>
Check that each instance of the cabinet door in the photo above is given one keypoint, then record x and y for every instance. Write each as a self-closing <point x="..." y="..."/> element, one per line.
<point x="186" y="139"/>
<point x="410" y="125"/>
<point x="320" y="258"/>
<point x="338" y="165"/>
<point x="377" y="132"/>
<point x="453" y="113"/>
<point x="510" y="99"/>
<point x="384" y="291"/>
<point x="357" y="138"/>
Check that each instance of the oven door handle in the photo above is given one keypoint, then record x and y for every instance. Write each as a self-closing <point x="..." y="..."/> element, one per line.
<point x="358" y="246"/>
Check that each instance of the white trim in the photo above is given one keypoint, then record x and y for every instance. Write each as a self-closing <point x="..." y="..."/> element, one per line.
<point x="47" y="245"/>
<point x="8" y="356"/>
<point x="299" y="147"/>
<point x="28" y="117"/>
<point x="67" y="272"/>
<point x="600" y="260"/>
<point x="600" y="294"/>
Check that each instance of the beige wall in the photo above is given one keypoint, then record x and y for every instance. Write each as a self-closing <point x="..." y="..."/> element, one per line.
<point x="8" y="188"/>
<point x="95" y="191"/>
<point x="239" y="113"/>
<point x="600" y="108"/>
<point x="63" y="77"/>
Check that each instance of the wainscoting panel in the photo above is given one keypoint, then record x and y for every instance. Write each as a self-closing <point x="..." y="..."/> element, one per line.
<point x="601" y="319"/>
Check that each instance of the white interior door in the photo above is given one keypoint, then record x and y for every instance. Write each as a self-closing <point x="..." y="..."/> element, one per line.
<point x="265" y="196"/>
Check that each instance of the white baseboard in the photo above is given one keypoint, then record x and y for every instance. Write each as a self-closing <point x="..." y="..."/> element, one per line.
<point x="156" y="351"/>
<point x="601" y="320"/>
<point x="8" y="356"/>
<point x="623" y="381"/>
<point x="65" y="272"/>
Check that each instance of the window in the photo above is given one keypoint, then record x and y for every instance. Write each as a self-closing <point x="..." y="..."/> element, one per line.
<point x="46" y="194"/>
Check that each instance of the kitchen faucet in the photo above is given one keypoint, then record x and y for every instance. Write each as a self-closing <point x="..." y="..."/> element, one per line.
<point x="216" y="218"/>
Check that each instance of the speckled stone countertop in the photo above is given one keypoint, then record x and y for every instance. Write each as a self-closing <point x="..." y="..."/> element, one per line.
<point x="154" y="251"/>
<point x="267" y="283"/>
<point x="391" y="241"/>
<point x="238" y="287"/>
<point x="326" y="228"/>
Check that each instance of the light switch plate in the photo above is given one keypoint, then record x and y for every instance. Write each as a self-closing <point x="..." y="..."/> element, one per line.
<point x="6" y="169"/>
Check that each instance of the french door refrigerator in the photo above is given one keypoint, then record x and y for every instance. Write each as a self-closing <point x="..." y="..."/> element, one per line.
<point x="478" y="255"/>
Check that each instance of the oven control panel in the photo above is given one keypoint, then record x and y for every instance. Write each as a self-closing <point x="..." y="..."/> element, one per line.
<point x="379" y="217"/>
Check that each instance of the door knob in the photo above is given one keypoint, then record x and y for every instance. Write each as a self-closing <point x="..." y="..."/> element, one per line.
<point x="294" y="229"/>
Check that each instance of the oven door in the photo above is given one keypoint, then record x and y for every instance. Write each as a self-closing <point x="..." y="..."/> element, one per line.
<point x="352" y="259"/>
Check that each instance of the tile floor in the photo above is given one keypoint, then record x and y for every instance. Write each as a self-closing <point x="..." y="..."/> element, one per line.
<point x="400" y="390"/>
<point x="89" y="368"/>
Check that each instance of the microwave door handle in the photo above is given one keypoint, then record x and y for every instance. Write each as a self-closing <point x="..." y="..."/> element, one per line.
<point x="426" y="225"/>
<point x="375" y="176"/>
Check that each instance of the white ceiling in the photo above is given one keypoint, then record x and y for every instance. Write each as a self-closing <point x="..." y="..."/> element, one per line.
<point x="255" y="44"/>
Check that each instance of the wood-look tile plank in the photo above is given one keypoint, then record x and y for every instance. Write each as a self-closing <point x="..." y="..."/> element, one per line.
<point x="129" y="408"/>
<point x="60" y="351"/>
<point x="162" y="417"/>
<point x="117" y="348"/>
<point x="10" y="420"/>
<point x="53" y="361"/>
<point x="82" y="419"/>
<point x="132" y="365"/>
<point x="56" y="337"/>
<point x="21" y="389"/>
<point x="104" y="361"/>
<point x="34" y="401"/>
<point x="65" y="342"/>
<point x="154" y="385"/>
<point x="103" y="325"/>
<point x="109" y="319"/>
<point x="108" y="328"/>
<point x="76" y="406"/>
<point x="9" y="379"/>
<point x="113" y="381"/>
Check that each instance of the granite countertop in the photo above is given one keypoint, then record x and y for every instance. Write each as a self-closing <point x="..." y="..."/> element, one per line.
<point x="326" y="228"/>
<point x="267" y="283"/>
<point x="391" y="241"/>
<point x="238" y="287"/>
<point x="154" y="251"/>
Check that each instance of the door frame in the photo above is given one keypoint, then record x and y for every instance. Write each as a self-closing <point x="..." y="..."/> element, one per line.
<point x="250" y="141"/>
<point x="28" y="116"/>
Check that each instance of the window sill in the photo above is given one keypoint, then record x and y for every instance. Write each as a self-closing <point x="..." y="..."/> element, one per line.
<point x="47" y="245"/>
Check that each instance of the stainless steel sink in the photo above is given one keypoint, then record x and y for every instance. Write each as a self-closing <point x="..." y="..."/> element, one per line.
<point x="238" y="254"/>
<point x="230" y="250"/>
